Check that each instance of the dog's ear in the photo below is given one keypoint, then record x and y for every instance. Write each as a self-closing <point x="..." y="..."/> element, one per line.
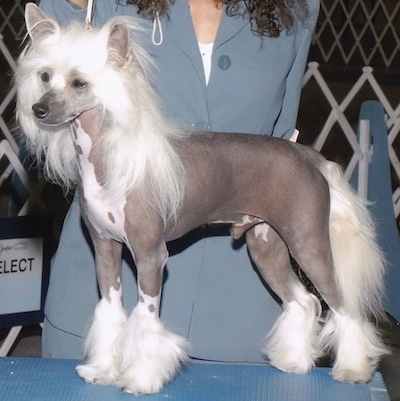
<point x="38" y="24"/>
<point x="118" y="46"/>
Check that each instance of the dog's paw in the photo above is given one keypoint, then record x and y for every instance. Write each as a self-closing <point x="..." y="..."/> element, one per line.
<point x="149" y="357"/>
<point x="357" y="346"/>
<point x="292" y="345"/>
<point x="96" y="374"/>
<point x="291" y="363"/>
<point x="356" y="373"/>
<point x="139" y="380"/>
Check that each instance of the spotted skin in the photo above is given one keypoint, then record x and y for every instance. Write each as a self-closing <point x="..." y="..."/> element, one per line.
<point x="284" y="197"/>
<point x="105" y="213"/>
<point x="242" y="225"/>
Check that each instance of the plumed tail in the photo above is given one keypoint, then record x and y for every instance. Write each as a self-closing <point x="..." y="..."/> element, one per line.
<point x="352" y="331"/>
<point x="359" y="262"/>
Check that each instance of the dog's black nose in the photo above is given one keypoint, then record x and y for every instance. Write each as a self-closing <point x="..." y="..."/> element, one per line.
<point x="40" y="110"/>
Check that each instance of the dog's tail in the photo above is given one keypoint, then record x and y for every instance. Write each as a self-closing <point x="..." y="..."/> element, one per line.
<point x="359" y="262"/>
<point x="359" y="270"/>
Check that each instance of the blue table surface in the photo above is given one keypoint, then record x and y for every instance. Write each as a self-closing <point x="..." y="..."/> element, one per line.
<point x="55" y="380"/>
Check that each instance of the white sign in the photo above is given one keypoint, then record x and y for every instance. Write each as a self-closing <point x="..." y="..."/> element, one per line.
<point x="21" y="266"/>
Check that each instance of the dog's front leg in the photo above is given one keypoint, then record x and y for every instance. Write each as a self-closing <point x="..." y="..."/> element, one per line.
<point x="109" y="316"/>
<point x="149" y="354"/>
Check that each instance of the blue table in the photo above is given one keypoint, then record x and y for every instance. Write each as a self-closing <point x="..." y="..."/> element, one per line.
<point x="34" y="379"/>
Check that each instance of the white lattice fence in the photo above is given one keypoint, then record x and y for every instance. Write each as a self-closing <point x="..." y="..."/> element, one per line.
<point x="337" y="117"/>
<point x="8" y="13"/>
<point x="362" y="32"/>
<point x="8" y="99"/>
<point x="337" y="114"/>
<point x="12" y="31"/>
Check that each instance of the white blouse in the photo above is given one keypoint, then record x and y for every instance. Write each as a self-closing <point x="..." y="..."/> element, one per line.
<point x="206" y="52"/>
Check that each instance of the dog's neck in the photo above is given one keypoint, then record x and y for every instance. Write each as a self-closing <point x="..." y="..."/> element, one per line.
<point x="91" y="121"/>
<point x="86" y="131"/>
<point x="98" y="203"/>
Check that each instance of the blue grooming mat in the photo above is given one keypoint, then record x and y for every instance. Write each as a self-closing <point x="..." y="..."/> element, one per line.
<point x="34" y="379"/>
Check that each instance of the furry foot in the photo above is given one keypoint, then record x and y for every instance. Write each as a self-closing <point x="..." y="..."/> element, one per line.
<point x="362" y="374"/>
<point x="108" y="320"/>
<point x="149" y="356"/>
<point x="96" y="374"/>
<point x="291" y="344"/>
<point x="357" y="347"/>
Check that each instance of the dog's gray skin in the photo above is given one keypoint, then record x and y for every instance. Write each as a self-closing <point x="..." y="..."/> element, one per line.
<point x="285" y="198"/>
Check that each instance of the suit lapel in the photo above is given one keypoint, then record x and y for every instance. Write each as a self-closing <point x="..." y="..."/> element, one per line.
<point x="229" y="27"/>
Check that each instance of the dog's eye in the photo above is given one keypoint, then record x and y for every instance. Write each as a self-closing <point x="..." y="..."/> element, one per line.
<point x="78" y="84"/>
<point x="45" y="76"/>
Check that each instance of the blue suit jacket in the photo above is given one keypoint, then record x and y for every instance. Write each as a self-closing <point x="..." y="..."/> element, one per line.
<point x="212" y="294"/>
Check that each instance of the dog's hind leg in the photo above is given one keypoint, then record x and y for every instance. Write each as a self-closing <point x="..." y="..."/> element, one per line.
<point x="149" y="354"/>
<point x="292" y="344"/>
<point x="347" y="332"/>
<point x="109" y="316"/>
<point x="341" y="258"/>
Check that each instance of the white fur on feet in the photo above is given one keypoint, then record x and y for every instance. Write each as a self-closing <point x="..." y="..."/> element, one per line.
<point x="292" y="344"/>
<point x="357" y="347"/>
<point x="109" y="318"/>
<point x="149" y="355"/>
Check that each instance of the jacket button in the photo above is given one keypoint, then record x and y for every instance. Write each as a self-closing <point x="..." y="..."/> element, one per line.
<point x="224" y="62"/>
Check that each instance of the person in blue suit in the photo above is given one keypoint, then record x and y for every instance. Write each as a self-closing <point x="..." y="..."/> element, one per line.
<point x="224" y="66"/>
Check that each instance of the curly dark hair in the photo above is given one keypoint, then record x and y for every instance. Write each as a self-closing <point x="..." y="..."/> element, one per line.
<point x="268" y="17"/>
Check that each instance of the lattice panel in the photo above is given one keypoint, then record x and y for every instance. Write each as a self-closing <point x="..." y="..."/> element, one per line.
<point x="11" y="18"/>
<point x="338" y="121"/>
<point x="360" y="32"/>
<point x="12" y="30"/>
